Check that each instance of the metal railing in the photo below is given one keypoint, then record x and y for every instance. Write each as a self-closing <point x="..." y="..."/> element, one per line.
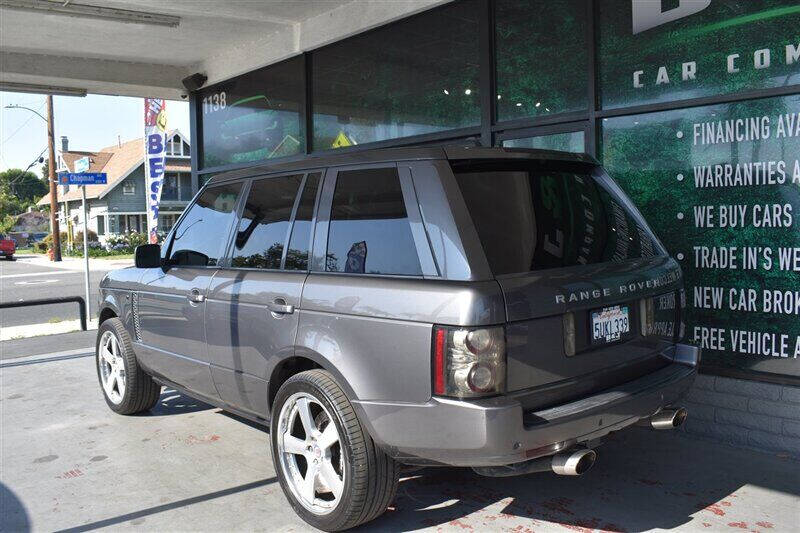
<point x="49" y="301"/>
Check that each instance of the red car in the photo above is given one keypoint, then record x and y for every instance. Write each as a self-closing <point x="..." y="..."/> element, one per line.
<point x="7" y="247"/>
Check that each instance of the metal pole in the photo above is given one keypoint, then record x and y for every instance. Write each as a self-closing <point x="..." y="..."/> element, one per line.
<point x="86" y="249"/>
<point x="51" y="167"/>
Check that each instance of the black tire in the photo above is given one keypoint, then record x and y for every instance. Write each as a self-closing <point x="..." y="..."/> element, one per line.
<point x="9" y="258"/>
<point x="141" y="391"/>
<point x="371" y="476"/>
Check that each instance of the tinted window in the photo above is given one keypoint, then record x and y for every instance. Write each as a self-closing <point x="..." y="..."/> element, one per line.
<point x="252" y="117"/>
<point x="369" y="229"/>
<point x="297" y="255"/>
<point x="416" y="76"/>
<point x="538" y="218"/>
<point x="201" y="237"/>
<point x="265" y="222"/>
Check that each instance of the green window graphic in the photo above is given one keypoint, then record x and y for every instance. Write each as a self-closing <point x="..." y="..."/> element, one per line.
<point x="721" y="187"/>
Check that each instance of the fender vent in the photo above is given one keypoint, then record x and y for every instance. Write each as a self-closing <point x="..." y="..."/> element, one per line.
<point x="137" y="329"/>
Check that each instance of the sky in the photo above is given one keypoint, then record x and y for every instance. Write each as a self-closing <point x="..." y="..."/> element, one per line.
<point x="91" y="122"/>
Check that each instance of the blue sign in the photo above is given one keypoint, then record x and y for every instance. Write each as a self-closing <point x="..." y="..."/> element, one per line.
<point x="81" y="165"/>
<point x="82" y="178"/>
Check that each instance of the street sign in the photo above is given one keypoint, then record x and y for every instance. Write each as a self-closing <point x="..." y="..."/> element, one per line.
<point x="82" y="165"/>
<point x="82" y="178"/>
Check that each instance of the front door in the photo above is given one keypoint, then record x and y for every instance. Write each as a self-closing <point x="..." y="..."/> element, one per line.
<point x="253" y="305"/>
<point x="171" y="309"/>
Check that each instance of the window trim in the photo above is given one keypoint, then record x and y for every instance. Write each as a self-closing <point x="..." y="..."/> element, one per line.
<point x="125" y="185"/>
<point x="322" y="224"/>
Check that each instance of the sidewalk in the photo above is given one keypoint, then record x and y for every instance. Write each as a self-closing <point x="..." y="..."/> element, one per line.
<point x="32" y="331"/>
<point x="47" y="345"/>
<point x="76" y="263"/>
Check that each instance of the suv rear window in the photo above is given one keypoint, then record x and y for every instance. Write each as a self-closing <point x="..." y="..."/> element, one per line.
<point x="534" y="216"/>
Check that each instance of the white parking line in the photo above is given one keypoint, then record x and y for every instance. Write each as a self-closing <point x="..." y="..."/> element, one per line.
<point x="32" y="274"/>
<point x="36" y="282"/>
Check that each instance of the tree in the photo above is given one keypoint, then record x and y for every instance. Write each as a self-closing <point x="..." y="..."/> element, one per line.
<point x="9" y="205"/>
<point x="23" y="185"/>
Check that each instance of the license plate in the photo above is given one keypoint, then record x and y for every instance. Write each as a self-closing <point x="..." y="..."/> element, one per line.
<point x="609" y="324"/>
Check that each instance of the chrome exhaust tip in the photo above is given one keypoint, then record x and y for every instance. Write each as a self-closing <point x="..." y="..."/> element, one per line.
<point x="573" y="463"/>
<point x="669" y="418"/>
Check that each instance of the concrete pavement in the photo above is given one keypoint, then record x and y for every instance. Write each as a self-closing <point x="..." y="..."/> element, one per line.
<point x="69" y="463"/>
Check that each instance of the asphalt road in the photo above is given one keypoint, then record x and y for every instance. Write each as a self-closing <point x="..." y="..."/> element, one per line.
<point x="23" y="280"/>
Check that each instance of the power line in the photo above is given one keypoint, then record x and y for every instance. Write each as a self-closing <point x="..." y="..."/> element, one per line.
<point x="20" y="127"/>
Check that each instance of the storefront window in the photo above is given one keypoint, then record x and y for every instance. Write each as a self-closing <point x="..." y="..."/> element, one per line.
<point x="653" y="51"/>
<point x="541" y="57"/>
<point x="253" y="117"/>
<point x="720" y="185"/>
<point x="572" y="141"/>
<point x="414" y="77"/>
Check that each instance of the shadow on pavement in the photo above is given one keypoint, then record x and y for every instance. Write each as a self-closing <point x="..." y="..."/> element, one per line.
<point x="643" y="480"/>
<point x="108" y="522"/>
<point x="173" y="402"/>
<point x="14" y="514"/>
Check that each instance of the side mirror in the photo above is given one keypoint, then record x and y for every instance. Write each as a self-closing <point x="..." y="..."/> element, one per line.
<point x="147" y="256"/>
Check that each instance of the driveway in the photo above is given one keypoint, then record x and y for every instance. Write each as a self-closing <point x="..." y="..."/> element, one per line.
<point x="69" y="463"/>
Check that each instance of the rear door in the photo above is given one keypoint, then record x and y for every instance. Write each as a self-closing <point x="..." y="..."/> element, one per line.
<point x="585" y="279"/>
<point x="170" y="311"/>
<point x="253" y="303"/>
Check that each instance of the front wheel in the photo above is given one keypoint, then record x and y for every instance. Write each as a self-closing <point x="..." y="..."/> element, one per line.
<point x="330" y="470"/>
<point x="126" y="387"/>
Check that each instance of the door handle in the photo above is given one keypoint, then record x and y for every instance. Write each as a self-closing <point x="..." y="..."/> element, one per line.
<point x="195" y="296"/>
<point x="280" y="307"/>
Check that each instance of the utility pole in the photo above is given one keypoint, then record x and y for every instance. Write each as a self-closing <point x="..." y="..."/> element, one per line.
<point x="51" y="167"/>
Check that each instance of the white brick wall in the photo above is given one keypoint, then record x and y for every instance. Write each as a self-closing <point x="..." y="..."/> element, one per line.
<point x="745" y="413"/>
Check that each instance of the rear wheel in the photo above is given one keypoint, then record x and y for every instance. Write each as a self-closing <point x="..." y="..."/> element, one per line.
<point x="9" y="258"/>
<point x="126" y="387"/>
<point x="330" y="470"/>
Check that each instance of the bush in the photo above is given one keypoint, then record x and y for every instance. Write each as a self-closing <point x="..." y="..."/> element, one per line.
<point x="125" y="243"/>
<point x="79" y="237"/>
<point x="48" y="241"/>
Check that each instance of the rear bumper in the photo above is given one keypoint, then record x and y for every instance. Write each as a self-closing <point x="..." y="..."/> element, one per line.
<point x="496" y="431"/>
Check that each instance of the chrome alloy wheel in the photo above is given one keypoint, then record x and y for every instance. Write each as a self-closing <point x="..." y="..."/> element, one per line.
<point x="112" y="367"/>
<point x="310" y="453"/>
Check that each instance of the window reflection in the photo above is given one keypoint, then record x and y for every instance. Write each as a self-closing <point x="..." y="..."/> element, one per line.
<point x="265" y="222"/>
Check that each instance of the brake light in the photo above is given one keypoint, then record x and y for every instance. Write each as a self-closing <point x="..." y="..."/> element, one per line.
<point x="438" y="362"/>
<point x="468" y="362"/>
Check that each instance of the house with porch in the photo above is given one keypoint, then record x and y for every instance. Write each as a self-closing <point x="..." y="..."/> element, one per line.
<point x="119" y="206"/>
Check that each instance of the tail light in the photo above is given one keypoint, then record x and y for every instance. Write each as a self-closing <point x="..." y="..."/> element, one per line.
<point x="469" y="362"/>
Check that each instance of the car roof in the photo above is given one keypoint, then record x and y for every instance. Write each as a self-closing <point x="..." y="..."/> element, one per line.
<point x="414" y="153"/>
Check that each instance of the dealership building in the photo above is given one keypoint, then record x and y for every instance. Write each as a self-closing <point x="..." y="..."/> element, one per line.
<point x="693" y="106"/>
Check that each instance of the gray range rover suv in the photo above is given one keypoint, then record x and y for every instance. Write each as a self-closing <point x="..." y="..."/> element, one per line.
<point x="490" y="308"/>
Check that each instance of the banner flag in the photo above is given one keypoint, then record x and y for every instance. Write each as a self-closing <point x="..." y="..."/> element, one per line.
<point x="155" y="152"/>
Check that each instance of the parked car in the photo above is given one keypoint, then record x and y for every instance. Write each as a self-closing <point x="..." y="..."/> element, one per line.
<point x="491" y="308"/>
<point x="7" y="247"/>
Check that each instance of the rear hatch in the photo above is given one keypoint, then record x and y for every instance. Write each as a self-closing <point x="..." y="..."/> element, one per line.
<point x="592" y="298"/>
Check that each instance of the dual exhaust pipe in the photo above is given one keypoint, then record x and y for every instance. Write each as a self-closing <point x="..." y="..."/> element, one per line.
<point x="571" y="463"/>
<point x="667" y="418"/>
<point x="579" y="460"/>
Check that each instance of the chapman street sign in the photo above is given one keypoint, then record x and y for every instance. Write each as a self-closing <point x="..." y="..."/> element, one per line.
<point x="82" y="178"/>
